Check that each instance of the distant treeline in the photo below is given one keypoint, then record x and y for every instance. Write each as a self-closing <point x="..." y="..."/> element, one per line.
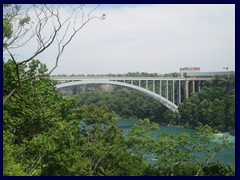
<point x="129" y="74"/>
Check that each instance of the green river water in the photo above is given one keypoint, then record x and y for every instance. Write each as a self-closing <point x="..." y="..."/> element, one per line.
<point x="227" y="156"/>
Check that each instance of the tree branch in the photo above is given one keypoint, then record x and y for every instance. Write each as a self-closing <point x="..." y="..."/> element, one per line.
<point x="42" y="14"/>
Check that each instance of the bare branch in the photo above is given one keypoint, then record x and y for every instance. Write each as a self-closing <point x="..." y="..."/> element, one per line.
<point x="71" y="37"/>
<point x="22" y="150"/>
<point x="33" y="77"/>
<point x="6" y="98"/>
<point x="41" y="16"/>
<point x="33" y="168"/>
<point x="89" y="14"/>
<point x="82" y="14"/>
<point x="17" y="68"/>
<point x="100" y="159"/>
<point x="18" y="34"/>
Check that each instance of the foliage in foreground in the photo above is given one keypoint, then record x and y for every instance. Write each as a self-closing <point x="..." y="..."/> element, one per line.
<point x="47" y="134"/>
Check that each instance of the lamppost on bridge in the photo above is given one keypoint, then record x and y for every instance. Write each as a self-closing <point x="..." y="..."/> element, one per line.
<point x="227" y="68"/>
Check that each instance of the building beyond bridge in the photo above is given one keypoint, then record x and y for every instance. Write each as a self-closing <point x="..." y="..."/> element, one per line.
<point x="194" y="72"/>
<point x="188" y="70"/>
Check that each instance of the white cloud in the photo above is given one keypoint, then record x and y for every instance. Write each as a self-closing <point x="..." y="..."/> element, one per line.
<point x="152" y="38"/>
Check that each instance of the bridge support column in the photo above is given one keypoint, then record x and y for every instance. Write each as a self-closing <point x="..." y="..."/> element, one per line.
<point x="193" y="86"/>
<point x="131" y="81"/>
<point x="179" y="91"/>
<point x="154" y="86"/>
<point x="173" y="92"/>
<point x="167" y="88"/>
<point x="139" y="83"/>
<point x="187" y="88"/>
<point x="147" y="84"/>
<point x="160" y="87"/>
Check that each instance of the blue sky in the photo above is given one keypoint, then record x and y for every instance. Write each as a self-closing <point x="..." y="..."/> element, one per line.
<point x="157" y="38"/>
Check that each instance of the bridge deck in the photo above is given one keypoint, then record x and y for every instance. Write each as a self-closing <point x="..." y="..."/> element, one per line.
<point x="79" y="78"/>
<point x="116" y="78"/>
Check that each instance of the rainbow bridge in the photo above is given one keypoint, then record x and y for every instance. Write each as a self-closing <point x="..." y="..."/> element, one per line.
<point x="169" y="91"/>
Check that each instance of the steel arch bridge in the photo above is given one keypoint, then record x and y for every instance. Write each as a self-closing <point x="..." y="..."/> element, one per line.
<point x="157" y="97"/>
<point x="171" y="90"/>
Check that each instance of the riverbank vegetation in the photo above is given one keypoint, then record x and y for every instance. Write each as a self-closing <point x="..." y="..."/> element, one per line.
<point x="127" y="103"/>
<point x="214" y="105"/>
<point x="46" y="134"/>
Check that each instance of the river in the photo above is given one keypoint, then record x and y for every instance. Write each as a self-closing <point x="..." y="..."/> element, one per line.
<point x="226" y="157"/>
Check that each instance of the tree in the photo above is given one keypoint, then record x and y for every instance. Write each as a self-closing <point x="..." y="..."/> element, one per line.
<point x="25" y="25"/>
<point x="213" y="105"/>
<point x="45" y="134"/>
<point x="11" y="167"/>
<point x="178" y="155"/>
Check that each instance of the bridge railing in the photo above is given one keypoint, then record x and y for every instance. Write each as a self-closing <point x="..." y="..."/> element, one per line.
<point x="115" y="78"/>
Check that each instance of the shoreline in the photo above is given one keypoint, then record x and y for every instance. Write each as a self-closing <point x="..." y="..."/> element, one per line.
<point x="231" y="132"/>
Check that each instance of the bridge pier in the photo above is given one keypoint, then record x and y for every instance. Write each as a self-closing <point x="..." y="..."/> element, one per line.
<point x="160" y="87"/>
<point x="154" y="86"/>
<point x="173" y="92"/>
<point x="187" y="89"/>
<point x="167" y="88"/>
<point x="199" y="86"/>
<point x="193" y="86"/>
<point x="179" y="92"/>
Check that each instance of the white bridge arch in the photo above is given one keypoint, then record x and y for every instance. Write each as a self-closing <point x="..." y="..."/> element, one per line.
<point x="157" y="97"/>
